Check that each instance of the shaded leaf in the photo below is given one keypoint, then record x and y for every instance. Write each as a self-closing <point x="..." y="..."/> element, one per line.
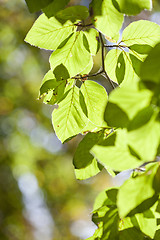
<point x="132" y="7"/>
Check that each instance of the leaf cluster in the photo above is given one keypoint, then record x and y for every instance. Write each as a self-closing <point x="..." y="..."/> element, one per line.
<point x="121" y="129"/>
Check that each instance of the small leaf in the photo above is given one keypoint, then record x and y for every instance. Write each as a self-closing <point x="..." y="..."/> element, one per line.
<point x="49" y="33"/>
<point x="132" y="7"/>
<point x="106" y="18"/>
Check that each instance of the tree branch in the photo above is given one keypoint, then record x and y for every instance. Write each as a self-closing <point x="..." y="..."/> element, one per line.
<point x="103" y="65"/>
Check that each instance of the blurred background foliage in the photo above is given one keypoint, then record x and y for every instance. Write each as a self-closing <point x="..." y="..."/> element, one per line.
<point x="40" y="199"/>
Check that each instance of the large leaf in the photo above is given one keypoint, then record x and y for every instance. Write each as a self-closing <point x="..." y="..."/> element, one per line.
<point x="35" y="5"/>
<point x="150" y="69"/>
<point x="132" y="7"/>
<point x="73" y="56"/>
<point x="49" y="33"/>
<point x="135" y="191"/>
<point x="106" y="18"/>
<point x="95" y="98"/>
<point x="68" y="119"/>
<point x="141" y="32"/>
<point x="116" y="154"/>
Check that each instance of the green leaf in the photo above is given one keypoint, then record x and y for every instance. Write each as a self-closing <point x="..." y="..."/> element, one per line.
<point x="116" y="154"/>
<point x="150" y="69"/>
<point x="85" y="164"/>
<point x="145" y="140"/>
<point x="92" y="37"/>
<point x="51" y="88"/>
<point x="54" y="7"/>
<point x="106" y="198"/>
<point x="141" y="32"/>
<point x="132" y="7"/>
<point x="131" y="234"/>
<point x="115" y="116"/>
<point x="89" y="171"/>
<point x="131" y="101"/>
<point x="73" y="55"/>
<point x="82" y="156"/>
<point x="121" y="68"/>
<point x="73" y="13"/>
<point x="135" y="191"/>
<point x="95" y="98"/>
<point x="49" y="33"/>
<point x="106" y="18"/>
<point x="35" y="5"/>
<point x="68" y="119"/>
<point x="147" y="224"/>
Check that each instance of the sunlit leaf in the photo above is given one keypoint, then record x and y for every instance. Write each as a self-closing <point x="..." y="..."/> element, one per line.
<point x="135" y="191"/>
<point x="141" y="32"/>
<point x="49" y="33"/>
<point x="95" y="99"/>
<point x="73" y="55"/>
<point x="106" y="18"/>
<point x="68" y="119"/>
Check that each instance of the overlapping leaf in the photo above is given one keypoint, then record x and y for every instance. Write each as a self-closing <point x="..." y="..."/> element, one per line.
<point x="54" y="7"/>
<point x="85" y="164"/>
<point x="132" y="7"/>
<point x="114" y="152"/>
<point x="73" y="55"/>
<point x="51" y="89"/>
<point x="122" y="67"/>
<point x="37" y="4"/>
<point x="95" y="99"/>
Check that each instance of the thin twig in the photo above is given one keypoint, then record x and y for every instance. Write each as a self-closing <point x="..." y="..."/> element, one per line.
<point x="86" y="76"/>
<point x="103" y="65"/>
